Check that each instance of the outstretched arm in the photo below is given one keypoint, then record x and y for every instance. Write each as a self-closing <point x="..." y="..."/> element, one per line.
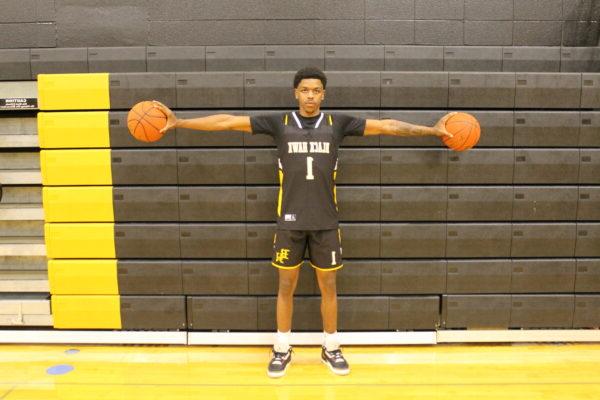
<point x="217" y="122"/>
<point x="400" y="128"/>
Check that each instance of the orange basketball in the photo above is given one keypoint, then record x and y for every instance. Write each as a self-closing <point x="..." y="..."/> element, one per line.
<point x="145" y="122"/>
<point x="466" y="131"/>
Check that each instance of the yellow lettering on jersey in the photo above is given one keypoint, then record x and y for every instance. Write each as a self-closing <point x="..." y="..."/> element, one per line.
<point x="282" y="255"/>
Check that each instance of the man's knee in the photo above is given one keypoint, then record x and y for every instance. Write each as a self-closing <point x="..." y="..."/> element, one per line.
<point x="287" y="283"/>
<point x="327" y="282"/>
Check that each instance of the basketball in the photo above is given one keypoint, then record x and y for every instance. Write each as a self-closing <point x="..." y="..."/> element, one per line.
<point x="145" y="122"/>
<point x="466" y="131"/>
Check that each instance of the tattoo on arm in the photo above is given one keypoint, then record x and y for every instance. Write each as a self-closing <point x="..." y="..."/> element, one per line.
<point x="399" y="128"/>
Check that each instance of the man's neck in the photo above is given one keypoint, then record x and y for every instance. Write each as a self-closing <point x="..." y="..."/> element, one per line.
<point x="307" y="115"/>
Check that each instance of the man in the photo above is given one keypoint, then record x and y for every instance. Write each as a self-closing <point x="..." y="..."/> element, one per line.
<point x="307" y="144"/>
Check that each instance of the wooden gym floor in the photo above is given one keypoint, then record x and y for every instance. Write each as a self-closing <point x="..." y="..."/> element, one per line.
<point x="504" y="371"/>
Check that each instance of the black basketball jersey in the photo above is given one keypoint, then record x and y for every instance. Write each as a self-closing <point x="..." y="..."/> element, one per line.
<point x="307" y="150"/>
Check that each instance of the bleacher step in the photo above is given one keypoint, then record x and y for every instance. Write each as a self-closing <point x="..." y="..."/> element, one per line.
<point x="22" y="247"/>
<point x="21" y="212"/>
<point x="25" y="310"/>
<point x="21" y="177"/>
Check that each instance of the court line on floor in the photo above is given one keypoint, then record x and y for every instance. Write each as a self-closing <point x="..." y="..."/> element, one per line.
<point x="9" y="391"/>
<point x="275" y="384"/>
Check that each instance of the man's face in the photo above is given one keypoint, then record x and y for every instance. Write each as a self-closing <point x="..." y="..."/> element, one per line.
<point x="310" y="94"/>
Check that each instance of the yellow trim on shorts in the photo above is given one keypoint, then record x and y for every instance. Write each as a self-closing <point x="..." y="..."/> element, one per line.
<point x="283" y="267"/>
<point x="325" y="269"/>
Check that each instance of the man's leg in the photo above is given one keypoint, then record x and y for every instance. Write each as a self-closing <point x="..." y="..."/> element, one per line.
<point x="331" y="353"/>
<point x="327" y="284"/>
<point x="288" y="251"/>
<point x="288" y="279"/>
<point x="326" y="259"/>
<point x="288" y="254"/>
<point x="282" y="351"/>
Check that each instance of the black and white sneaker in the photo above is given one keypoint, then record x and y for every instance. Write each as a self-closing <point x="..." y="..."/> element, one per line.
<point x="335" y="361"/>
<point x="279" y="363"/>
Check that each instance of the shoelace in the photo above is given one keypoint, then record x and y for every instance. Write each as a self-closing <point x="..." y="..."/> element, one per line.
<point x="278" y="358"/>
<point x="337" y="354"/>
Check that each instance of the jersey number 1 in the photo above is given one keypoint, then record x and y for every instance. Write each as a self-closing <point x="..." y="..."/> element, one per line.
<point x="309" y="171"/>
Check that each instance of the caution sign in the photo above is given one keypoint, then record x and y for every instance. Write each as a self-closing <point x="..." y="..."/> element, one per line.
<point x="18" y="104"/>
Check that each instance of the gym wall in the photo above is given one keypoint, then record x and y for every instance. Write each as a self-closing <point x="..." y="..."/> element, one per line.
<point x="176" y="235"/>
<point x="101" y="23"/>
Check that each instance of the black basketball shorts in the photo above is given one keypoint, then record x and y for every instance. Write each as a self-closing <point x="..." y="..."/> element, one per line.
<point x="324" y="249"/>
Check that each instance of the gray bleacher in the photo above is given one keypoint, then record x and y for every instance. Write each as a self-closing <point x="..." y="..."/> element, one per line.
<point x="26" y="64"/>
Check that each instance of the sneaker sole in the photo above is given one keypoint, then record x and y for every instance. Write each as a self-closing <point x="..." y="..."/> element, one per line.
<point x="336" y="371"/>
<point x="278" y="374"/>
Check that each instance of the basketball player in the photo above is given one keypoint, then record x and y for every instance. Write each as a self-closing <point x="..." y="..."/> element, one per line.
<point x="307" y="213"/>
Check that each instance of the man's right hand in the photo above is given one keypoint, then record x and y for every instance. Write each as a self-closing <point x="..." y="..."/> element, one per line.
<point x="171" y="118"/>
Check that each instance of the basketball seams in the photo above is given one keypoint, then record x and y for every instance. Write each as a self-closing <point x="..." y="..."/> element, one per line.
<point x="138" y="120"/>
<point x="135" y="111"/>
<point x="473" y="137"/>
<point x="144" y="130"/>
<point x="464" y="127"/>
<point x="146" y="117"/>
<point x="466" y="136"/>
<point x="137" y="125"/>
<point x="458" y="134"/>
<point x="476" y="140"/>
<point x="147" y="120"/>
<point x="474" y="130"/>
<point x="146" y="106"/>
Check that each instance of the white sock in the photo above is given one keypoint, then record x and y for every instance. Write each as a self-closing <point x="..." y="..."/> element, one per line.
<point x="282" y="341"/>
<point x="332" y="341"/>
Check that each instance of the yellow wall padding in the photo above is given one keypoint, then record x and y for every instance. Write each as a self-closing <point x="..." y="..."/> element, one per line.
<point x="91" y="240"/>
<point x="86" y="312"/>
<point x="83" y="277"/>
<point x="73" y="129"/>
<point x="78" y="204"/>
<point x="76" y="167"/>
<point x="73" y="92"/>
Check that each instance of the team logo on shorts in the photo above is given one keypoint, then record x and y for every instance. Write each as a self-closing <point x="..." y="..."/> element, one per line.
<point x="282" y="255"/>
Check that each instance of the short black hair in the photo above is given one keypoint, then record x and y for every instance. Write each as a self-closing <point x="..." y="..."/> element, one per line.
<point x="310" y="73"/>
